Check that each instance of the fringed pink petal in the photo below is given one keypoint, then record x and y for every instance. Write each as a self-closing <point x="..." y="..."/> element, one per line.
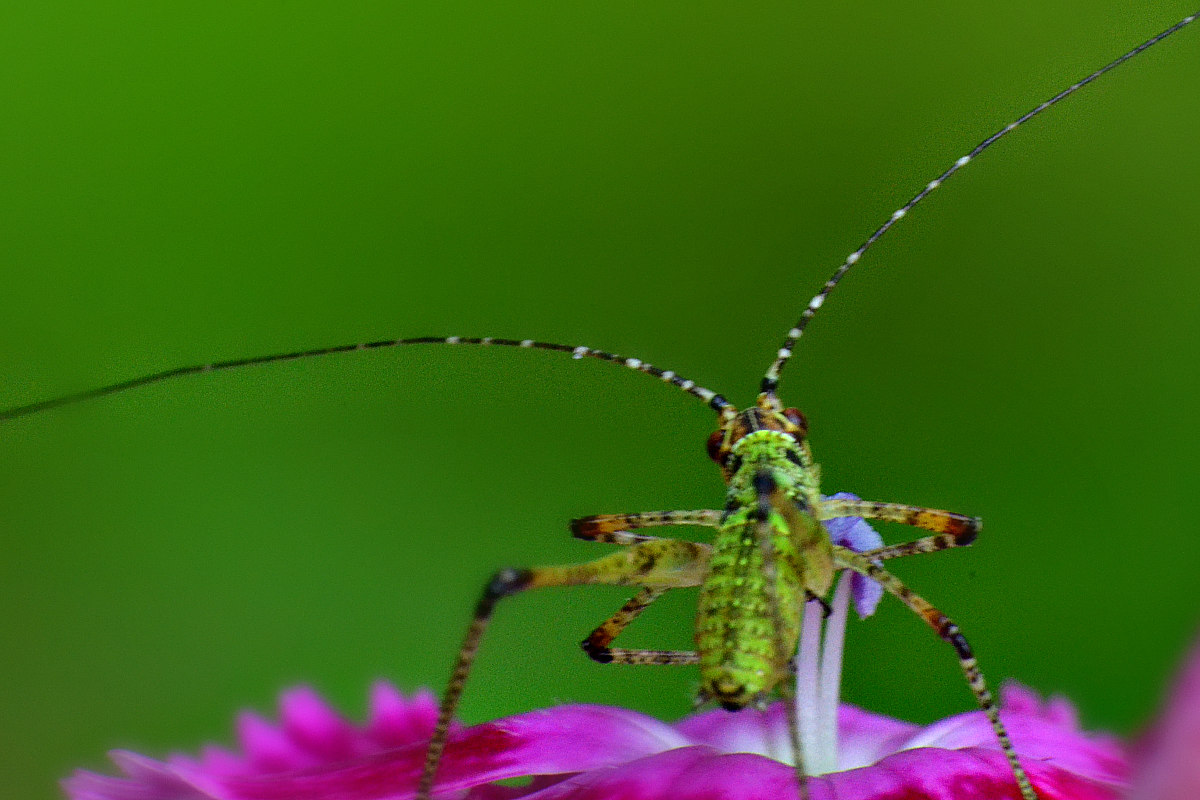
<point x="970" y="774"/>
<point x="1058" y="711"/>
<point x="317" y="730"/>
<point x="699" y="773"/>
<point x="1037" y="736"/>
<point x="1170" y="753"/>
<point x="396" y="721"/>
<point x="865" y="737"/>
<point x="746" y="731"/>
<point x="566" y="739"/>
<point x="590" y="752"/>
<point x="217" y="760"/>
<point x="267" y="748"/>
<point x="690" y="773"/>
<point x="146" y="779"/>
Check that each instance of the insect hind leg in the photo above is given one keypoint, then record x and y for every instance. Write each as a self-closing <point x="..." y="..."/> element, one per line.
<point x="596" y="645"/>
<point x="949" y="632"/>
<point x="659" y="564"/>
<point x="503" y="583"/>
<point x="615" y="528"/>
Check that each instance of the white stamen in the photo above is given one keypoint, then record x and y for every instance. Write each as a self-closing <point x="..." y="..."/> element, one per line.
<point x="829" y="693"/>
<point x="808" y="662"/>
<point x="818" y="680"/>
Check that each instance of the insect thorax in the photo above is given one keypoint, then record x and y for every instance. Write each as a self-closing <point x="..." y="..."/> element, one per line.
<point x="783" y="457"/>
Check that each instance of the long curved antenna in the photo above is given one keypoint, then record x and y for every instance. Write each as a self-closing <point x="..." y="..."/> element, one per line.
<point x="714" y="400"/>
<point x="771" y="380"/>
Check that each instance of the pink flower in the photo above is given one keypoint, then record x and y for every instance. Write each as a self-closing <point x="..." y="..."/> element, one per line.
<point x="602" y="753"/>
<point x="592" y="752"/>
<point x="1168" y="758"/>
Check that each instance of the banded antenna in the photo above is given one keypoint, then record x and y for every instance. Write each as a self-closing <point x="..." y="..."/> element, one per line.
<point x="714" y="400"/>
<point x="771" y="380"/>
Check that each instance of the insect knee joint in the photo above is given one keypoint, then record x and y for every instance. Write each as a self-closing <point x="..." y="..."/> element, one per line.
<point x="508" y="581"/>
<point x="953" y="635"/>
<point x="970" y="532"/>
<point x="502" y="584"/>
<point x="585" y="528"/>
<point x="596" y="651"/>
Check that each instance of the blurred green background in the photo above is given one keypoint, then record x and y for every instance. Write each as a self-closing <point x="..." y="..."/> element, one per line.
<point x="669" y="180"/>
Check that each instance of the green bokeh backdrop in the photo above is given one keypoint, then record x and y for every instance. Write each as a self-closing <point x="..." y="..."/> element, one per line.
<point x="670" y="180"/>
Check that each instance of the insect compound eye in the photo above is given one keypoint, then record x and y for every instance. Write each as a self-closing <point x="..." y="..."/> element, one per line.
<point x="714" y="446"/>
<point x="796" y="418"/>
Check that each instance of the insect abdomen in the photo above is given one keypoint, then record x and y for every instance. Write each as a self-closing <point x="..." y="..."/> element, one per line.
<point x="743" y="649"/>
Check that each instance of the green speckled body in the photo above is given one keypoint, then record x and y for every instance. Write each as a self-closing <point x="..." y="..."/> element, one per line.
<point x="746" y="631"/>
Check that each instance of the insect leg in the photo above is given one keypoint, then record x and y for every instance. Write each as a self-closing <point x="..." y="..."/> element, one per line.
<point x="964" y="529"/>
<point x="614" y="528"/>
<point x="926" y="544"/>
<point x="659" y="564"/>
<point x="950" y="529"/>
<point x="596" y="645"/>
<point x="949" y="632"/>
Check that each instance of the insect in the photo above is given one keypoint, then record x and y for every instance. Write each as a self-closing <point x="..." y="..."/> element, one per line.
<point x="769" y="414"/>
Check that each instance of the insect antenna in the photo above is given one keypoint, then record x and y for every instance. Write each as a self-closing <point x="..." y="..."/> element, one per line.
<point x="714" y="400"/>
<point x="771" y="380"/>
